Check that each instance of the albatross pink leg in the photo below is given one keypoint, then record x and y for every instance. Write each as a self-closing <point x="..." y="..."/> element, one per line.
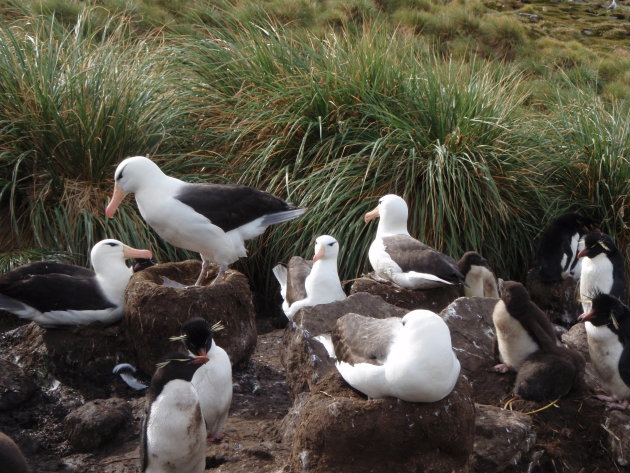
<point x="221" y="275"/>
<point x="204" y="270"/>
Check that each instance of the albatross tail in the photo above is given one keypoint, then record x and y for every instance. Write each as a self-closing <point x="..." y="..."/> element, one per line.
<point x="283" y="216"/>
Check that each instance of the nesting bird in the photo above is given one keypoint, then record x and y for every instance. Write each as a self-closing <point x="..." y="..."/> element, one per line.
<point x="174" y="432"/>
<point x="55" y="294"/>
<point x="397" y="257"/>
<point x="311" y="286"/>
<point x="213" y="381"/>
<point x="603" y="269"/>
<point x="527" y="344"/>
<point x="608" y="334"/>
<point x="479" y="279"/>
<point x="410" y="358"/>
<point x="213" y="220"/>
<point x="559" y="245"/>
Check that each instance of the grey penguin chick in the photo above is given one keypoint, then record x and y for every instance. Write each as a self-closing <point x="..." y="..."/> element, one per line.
<point x="478" y="278"/>
<point x="521" y="327"/>
<point x="174" y="432"/>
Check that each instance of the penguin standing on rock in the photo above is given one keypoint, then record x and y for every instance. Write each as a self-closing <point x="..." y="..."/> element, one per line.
<point x="521" y="327"/>
<point x="603" y="269"/>
<point x="213" y="381"/>
<point x="608" y="334"/>
<point x="479" y="279"/>
<point x="174" y="432"/>
<point x="558" y="247"/>
<point x="527" y="343"/>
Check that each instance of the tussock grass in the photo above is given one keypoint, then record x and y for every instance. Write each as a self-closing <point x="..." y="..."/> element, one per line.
<point x="73" y="104"/>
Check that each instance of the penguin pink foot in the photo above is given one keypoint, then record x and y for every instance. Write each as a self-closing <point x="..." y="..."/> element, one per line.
<point x="612" y="402"/>
<point x="501" y="368"/>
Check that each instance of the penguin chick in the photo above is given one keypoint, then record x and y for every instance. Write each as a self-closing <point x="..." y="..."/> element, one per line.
<point x="521" y="327"/>
<point x="479" y="279"/>
<point x="548" y="375"/>
<point x="557" y="252"/>
<point x="213" y="381"/>
<point x="608" y="335"/>
<point x="11" y="457"/>
<point x="173" y="432"/>
<point x="603" y="269"/>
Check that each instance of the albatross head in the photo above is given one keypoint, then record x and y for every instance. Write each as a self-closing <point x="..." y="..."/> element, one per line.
<point x="326" y="247"/>
<point x="108" y="252"/>
<point x="393" y="213"/>
<point x="130" y="175"/>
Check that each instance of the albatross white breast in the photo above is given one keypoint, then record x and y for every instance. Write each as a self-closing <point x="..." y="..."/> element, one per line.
<point x="399" y="258"/>
<point x="410" y="358"/>
<point x="55" y="294"/>
<point x="312" y="286"/>
<point x="213" y="220"/>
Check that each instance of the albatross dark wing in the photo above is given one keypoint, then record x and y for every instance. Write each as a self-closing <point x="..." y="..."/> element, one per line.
<point x="230" y="206"/>
<point x="360" y="339"/>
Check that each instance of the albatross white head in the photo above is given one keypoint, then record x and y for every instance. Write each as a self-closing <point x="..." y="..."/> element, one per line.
<point x="393" y="213"/>
<point x="131" y="174"/>
<point x="326" y="248"/>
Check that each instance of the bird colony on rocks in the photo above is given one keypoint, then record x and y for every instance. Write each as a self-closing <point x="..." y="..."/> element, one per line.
<point x="412" y="355"/>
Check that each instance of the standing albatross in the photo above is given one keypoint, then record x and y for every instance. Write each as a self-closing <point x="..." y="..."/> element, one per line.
<point x="212" y="219"/>
<point x="399" y="258"/>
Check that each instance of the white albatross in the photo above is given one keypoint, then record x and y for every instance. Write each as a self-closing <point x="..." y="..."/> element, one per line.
<point x="213" y="220"/>
<point x="321" y="284"/>
<point x="410" y="358"/>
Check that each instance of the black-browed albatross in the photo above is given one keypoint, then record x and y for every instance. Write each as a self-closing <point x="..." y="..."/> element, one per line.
<point x="213" y="220"/>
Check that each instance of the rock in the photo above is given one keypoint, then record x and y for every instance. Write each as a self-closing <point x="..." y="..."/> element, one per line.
<point x="502" y="438"/>
<point x="472" y="335"/>
<point x="617" y="425"/>
<point x="432" y="299"/>
<point x="305" y="359"/>
<point x="341" y="431"/>
<point x="12" y="457"/>
<point x="557" y="299"/>
<point x="154" y="312"/>
<point x="15" y="386"/>
<point x="96" y="423"/>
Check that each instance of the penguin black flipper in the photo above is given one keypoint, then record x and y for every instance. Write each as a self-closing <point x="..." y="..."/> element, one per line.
<point x="624" y="363"/>
<point x="144" y="460"/>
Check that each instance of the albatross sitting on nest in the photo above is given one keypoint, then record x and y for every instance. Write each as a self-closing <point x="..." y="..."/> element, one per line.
<point x="397" y="257"/>
<point x="212" y="219"/>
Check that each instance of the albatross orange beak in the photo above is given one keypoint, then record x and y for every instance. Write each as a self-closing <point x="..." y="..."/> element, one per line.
<point x="319" y="254"/>
<point x="117" y="198"/>
<point x="371" y="215"/>
<point x="130" y="252"/>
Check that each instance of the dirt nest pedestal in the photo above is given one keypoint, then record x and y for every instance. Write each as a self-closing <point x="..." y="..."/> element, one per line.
<point x="154" y="312"/>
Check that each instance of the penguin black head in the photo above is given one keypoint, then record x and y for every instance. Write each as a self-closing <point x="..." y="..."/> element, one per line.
<point x="577" y="222"/>
<point x="471" y="258"/>
<point x="197" y="335"/>
<point x="596" y="243"/>
<point x="516" y="298"/>
<point x="173" y="366"/>
<point x="607" y="310"/>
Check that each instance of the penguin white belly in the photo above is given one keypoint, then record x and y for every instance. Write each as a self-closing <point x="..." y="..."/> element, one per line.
<point x="568" y="258"/>
<point x="213" y="382"/>
<point x="515" y="344"/>
<point x="605" y="350"/>
<point x="480" y="282"/>
<point x="597" y="277"/>
<point x="176" y="433"/>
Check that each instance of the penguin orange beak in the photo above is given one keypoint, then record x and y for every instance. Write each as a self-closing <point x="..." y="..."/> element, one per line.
<point x="130" y="252"/>
<point x="584" y="317"/>
<point x="583" y="253"/>
<point x="200" y="360"/>
<point x="117" y="198"/>
<point x="319" y="254"/>
<point x="371" y="215"/>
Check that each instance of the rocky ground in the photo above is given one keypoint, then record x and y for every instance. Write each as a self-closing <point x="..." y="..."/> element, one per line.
<point x="292" y="412"/>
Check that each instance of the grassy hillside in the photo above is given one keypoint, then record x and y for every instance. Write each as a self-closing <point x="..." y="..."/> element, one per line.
<point x="489" y="124"/>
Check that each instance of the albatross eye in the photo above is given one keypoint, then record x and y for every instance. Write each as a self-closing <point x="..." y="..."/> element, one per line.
<point x="331" y="244"/>
<point x="111" y="243"/>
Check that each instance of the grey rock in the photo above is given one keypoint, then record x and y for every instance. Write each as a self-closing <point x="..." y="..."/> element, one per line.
<point x="617" y="425"/>
<point x="15" y="386"/>
<point x="502" y="438"/>
<point x="96" y="423"/>
<point x="576" y="338"/>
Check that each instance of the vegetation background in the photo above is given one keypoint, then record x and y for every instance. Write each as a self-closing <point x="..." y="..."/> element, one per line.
<point x="489" y="117"/>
